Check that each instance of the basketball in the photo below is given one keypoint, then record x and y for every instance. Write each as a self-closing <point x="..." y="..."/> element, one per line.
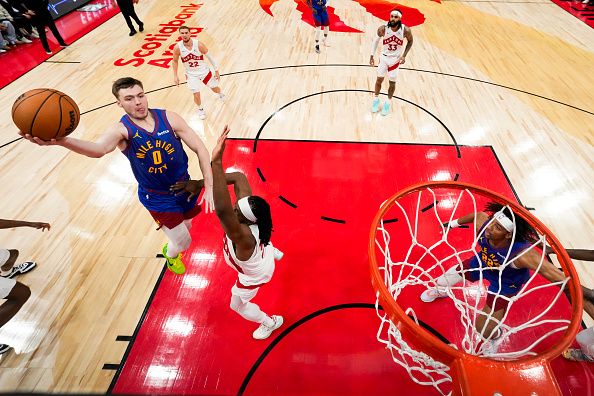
<point x="45" y="113"/>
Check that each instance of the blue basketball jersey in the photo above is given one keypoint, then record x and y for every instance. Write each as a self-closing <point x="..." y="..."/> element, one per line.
<point x="157" y="158"/>
<point x="490" y="260"/>
<point x="318" y="5"/>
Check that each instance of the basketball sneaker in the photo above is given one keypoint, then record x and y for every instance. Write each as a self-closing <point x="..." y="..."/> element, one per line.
<point x="222" y="97"/>
<point x="264" y="331"/>
<point x="20" y="269"/>
<point x="174" y="264"/>
<point x="278" y="255"/>
<point x="375" y="105"/>
<point x="325" y="42"/>
<point x="576" y="355"/>
<point x="4" y="348"/>
<point x="492" y="346"/>
<point x="201" y="114"/>
<point x="431" y="295"/>
<point x="317" y="48"/>
<point x="386" y="108"/>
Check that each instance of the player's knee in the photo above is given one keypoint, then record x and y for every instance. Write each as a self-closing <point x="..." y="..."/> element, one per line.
<point x="236" y="304"/>
<point x="392" y="83"/>
<point x="379" y="80"/>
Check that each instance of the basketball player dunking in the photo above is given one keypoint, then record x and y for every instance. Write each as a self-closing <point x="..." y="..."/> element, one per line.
<point x="192" y="53"/>
<point x="392" y="56"/>
<point x="501" y="239"/>
<point x="151" y="139"/>
<point x="246" y="245"/>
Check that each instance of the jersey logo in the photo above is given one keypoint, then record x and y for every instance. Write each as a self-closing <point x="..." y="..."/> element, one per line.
<point x="191" y="56"/>
<point x="393" y="39"/>
<point x="136" y="135"/>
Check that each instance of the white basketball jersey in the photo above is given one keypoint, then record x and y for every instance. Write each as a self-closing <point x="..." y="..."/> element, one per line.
<point x="193" y="59"/>
<point x="393" y="41"/>
<point x="258" y="268"/>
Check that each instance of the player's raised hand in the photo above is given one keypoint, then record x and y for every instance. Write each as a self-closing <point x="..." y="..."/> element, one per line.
<point x="217" y="152"/>
<point x="208" y="199"/>
<point x="40" y="226"/>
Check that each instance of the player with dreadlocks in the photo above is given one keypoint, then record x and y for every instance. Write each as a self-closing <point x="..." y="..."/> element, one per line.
<point x="247" y="247"/>
<point x="504" y="259"/>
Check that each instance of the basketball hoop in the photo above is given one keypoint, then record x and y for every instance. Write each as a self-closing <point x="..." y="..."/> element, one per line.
<point x="413" y="262"/>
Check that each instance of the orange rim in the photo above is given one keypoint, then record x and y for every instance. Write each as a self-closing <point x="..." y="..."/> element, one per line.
<point x="439" y="350"/>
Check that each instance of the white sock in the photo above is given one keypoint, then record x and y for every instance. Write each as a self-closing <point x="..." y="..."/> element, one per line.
<point x="318" y="31"/>
<point x="250" y="311"/>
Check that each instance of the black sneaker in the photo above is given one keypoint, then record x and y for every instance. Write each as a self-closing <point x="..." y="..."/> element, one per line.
<point x="132" y="32"/>
<point x="20" y="269"/>
<point x="317" y="49"/>
<point x="141" y="27"/>
<point x="4" y="348"/>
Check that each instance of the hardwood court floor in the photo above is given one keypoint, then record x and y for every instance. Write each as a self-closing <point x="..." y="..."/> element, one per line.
<point x="514" y="75"/>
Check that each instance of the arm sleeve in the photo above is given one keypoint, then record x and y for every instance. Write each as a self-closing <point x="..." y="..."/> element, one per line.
<point x="374" y="44"/>
<point x="212" y="61"/>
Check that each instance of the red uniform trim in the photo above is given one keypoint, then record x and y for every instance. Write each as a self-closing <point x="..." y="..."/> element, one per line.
<point x="207" y="78"/>
<point x="394" y="67"/>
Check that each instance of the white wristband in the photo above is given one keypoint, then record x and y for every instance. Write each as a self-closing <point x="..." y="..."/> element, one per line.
<point x="454" y="224"/>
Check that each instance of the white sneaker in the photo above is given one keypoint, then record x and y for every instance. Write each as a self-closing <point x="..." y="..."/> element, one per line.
<point x="278" y="255"/>
<point x="430" y="295"/>
<point x="24" y="40"/>
<point x="492" y="345"/>
<point x="264" y="331"/>
<point x="222" y="97"/>
<point x="19" y="269"/>
<point x="201" y="114"/>
<point x="325" y="42"/>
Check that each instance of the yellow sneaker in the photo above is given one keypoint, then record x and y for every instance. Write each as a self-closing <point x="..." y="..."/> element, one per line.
<point x="174" y="264"/>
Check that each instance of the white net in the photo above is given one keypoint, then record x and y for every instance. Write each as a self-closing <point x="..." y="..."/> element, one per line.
<point x="478" y="299"/>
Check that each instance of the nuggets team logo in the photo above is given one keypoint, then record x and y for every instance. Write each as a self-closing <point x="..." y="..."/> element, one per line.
<point x="155" y="153"/>
<point x="378" y="8"/>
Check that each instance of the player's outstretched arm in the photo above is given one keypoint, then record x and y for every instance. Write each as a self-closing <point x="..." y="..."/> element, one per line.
<point x="202" y="48"/>
<point x="4" y="223"/>
<point x="481" y="219"/>
<point x="175" y="64"/>
<point x="239" y="233"/>
<point x="409" y="43"/>
<point x="114" y="137"/>
<point x="194" y="187"/>
<point x="380" y="33"/>
<point x="191" y="139"/>
<point x="576" y="254"/>
<point x="531" y="259"/>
